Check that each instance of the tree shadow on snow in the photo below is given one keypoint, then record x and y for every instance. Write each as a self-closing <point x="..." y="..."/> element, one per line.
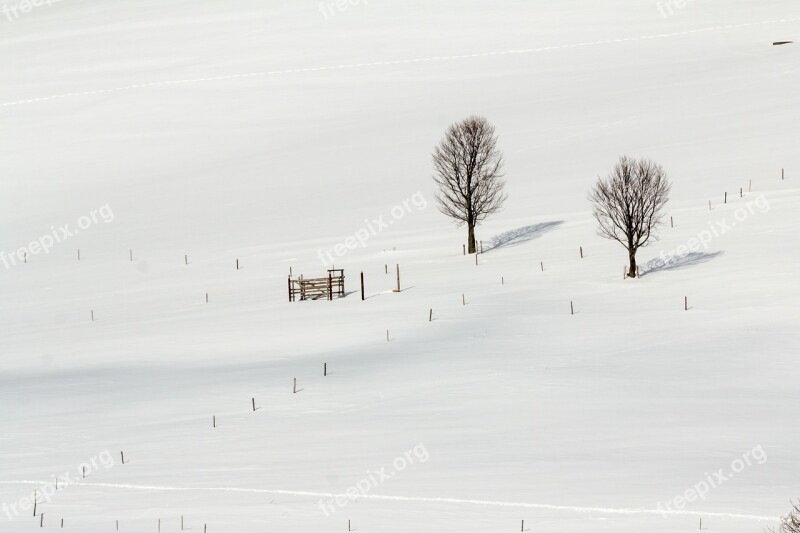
<point x="677" y="262"/>
<point x="521" y="235"/>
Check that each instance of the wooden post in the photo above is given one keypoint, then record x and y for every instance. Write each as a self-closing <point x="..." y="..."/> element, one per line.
<point x="541" y="263"/>
<point x="463" y="300"/>
<point x="685" y="303"/>
<point x="159" y="525"/>
<point x="35" y="501"/>
<point x="387" y="335"/>
<point x="214" y="421"/>
<point x="571" y="308"/>
<point x="92" y="313"/>
<point x="181" y="522"/>
<point x="385" y="268"/>
<point x="289" y="284"/>
<point x="741" y="192"/>
<point x="502" y="280"/>
<point x="783" y="173"/>
<point x="430" y="316"/>
<point x="130" y="253"/>
<point x="254" y="405"/>
<point x="638" y="272"/>
<point x="671" y="222"/>
<point x="237" y="264"/>
<point x="62" y="523"/>
<point x="117" y="525"/>
<point x="701" y="524"/>
<point x="83" y="472"/>
<point x="330" y="287"/>
<point x="41" y="520"/>
<point x="476" y="259"/>
<point x="398" y="279"/>
<point x="726" y="197"/>
<point x="294" y="386"/>
<point x="325" y="370"/>
<point x="523" y="526"/>
<point x="481" y="246"/>
<point x="348" y="526"/>
<point x="464" y="249"/>
<point x="362" y="286"/>
<point x="750" y="187"/>
<point x="186" y="259"/>
<point x="122" y="456"/>
<point x="79" y="254"/>
<point x="206" y="297"/>
<point x="709" y="205"/>
<point x="581" y="252"/>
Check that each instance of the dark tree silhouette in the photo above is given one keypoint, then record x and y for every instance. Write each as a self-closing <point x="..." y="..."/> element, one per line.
<point x="468" y="170"/>
<point x="629" y="204"/>
<point x="789" y="523"/>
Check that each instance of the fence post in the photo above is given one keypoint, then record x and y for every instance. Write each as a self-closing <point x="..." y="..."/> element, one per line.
<point x="362" y="286"/>
<point x="330" y="286"/>
<point x="398" y="279"/>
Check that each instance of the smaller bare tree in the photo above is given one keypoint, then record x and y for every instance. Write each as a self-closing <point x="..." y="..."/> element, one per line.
<point x="629" y="204"/>
<point x="789" y="523"/>
<point x="468" y="170"/>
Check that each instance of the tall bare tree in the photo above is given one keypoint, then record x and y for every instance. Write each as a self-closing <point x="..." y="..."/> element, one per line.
<point x="469" y="170"/>
<point x="789" y="523"/>
<point x="629" y="204"/>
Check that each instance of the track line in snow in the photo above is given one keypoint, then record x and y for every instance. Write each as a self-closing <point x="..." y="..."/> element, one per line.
<point x="455" y="501"/>
<point x="395" y="62"/>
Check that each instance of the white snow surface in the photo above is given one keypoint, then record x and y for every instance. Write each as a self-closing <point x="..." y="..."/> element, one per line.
<point x="266" y="131"/>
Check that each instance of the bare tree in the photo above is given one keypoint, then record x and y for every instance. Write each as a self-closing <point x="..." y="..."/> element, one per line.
<point x="629" y="204"/>
<point x="789" y="523"/>
<point x="468" y="170"/>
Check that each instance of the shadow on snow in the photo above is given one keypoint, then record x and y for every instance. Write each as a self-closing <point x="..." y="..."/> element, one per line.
<point x="521" y="235"/>
<point x="676" y="262"/>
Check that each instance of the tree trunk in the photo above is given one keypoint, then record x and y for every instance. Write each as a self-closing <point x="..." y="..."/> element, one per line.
<point x="471" y="237"/>
<point x="632" y="257"/>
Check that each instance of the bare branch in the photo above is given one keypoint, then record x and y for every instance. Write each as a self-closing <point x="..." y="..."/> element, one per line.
<point x="789" y="523"/>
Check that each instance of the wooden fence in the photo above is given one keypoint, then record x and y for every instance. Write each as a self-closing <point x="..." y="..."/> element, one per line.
<point x="317" y="288"/>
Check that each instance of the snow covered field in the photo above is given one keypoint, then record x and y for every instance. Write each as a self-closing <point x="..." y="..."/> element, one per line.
<point x="270" y="131"/>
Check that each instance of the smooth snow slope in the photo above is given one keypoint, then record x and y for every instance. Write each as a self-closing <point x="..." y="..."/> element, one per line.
<point x="265" y="132"/>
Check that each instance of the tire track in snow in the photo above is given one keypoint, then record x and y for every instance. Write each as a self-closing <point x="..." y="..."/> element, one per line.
<point x="394" y="62"/>
<point x="456" y="501"/>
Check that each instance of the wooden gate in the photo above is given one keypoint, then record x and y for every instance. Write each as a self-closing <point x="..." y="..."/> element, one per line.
<point x="318" y="288"/>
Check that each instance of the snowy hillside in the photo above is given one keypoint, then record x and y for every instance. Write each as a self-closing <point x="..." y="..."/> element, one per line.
<point x="148" y="147"/>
